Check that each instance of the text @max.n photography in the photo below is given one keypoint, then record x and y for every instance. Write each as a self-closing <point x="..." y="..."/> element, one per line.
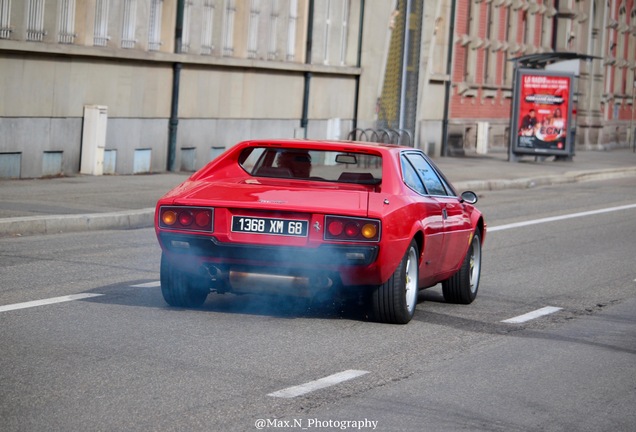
<point x="314" y="423"/>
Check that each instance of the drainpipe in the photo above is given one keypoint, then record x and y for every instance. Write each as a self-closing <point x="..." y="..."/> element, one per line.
<point x="358" y="65"/>
<point x="405" y="63"/>
<point x="449" y="73"/>
<point x="174" y="118"/>
<point x="304" y="121"/>
<point x="173" y="123"/>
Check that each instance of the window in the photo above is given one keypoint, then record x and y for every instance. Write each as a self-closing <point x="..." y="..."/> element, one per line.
<point x="411" y="179"/>
<point x="470" y="56"/>
<point x="100" y="34"/>
<point x="154" y="27"/>
<point x="252" y="29"/>
<point x="327" y="31"/>
<point x="344" y="31"/>
<point x="432" y="182"/>
<point x="66" y="22"/>
<point x="228" y="33"/>
<point x="128" y="25"/>
<point x="185" y="31"/>
<point x="313" y="165"/>
<point x="35" y="20"/>
<point x="5" y="19"/>
<point x="272" y="50"/>
<point x="291" y="30"/>
<point x="207" y="42"/>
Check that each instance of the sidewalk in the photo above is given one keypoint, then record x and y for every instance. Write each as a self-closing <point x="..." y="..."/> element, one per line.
<point x="84" y="203"/>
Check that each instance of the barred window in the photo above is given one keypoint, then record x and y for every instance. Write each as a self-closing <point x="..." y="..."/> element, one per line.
<point x="129" y="24"/>
<point x="185" y="33"/>
<point x="325" y="47"/>
<point x="272" y="49"/>
<point x="344" y="31"/>
<point x="5" y="19"/>
<point x="100" y="33"/>
<point x="291" y="30"/>
<point x="207" y="35"/>
<point x="228" y="33"/>
<point x="66" y="22"/>
<point x="35" y="20"/>
<point x="252" y="30"/>
<point x="154" y="25"/>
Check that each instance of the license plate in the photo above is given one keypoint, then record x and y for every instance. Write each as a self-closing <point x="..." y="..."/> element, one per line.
<point x="272" y="226"/>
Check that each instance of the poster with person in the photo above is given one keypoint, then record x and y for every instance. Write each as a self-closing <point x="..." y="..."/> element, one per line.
<point x="542" y="111"/>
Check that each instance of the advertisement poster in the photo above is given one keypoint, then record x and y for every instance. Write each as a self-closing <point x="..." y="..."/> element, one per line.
<point x="543" y="112"/>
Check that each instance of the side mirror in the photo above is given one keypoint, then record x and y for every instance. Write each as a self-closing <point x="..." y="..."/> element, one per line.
<point x="469" y="196"/>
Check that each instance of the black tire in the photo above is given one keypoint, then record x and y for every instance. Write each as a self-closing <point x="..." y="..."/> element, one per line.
<point x="179" y="288"/>
<point x="462" y="287"/>
<point x="395" y="300"/>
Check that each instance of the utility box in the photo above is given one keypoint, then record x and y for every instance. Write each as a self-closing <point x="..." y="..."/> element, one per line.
<point x="93" y="139"/>
<point x="483" y="129"/>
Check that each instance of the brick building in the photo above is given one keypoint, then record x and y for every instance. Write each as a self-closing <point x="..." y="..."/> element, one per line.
<point x="488" y="34"/>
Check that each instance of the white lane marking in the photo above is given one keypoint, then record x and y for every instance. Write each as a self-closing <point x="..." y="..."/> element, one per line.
<point x="328" y="381"/>
<point x="48" y="301"/>
<point x="558" y="218"/>
<point x="147" y="285"/>
<point x="532" y="315"/>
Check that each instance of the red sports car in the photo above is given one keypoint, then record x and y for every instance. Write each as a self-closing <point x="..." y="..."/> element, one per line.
<point x="310" y="218"/>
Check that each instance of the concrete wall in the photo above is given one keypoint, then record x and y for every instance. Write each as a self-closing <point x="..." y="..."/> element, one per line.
<point x="45" y="85"/>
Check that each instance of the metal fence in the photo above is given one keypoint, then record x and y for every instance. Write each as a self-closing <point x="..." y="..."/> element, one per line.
<point x="385" y="135"/>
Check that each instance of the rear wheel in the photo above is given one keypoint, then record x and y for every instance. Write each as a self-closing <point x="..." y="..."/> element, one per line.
<point x="462" y="287"/>
<point x="179" y="288"/>
<point x="394" y="301"/>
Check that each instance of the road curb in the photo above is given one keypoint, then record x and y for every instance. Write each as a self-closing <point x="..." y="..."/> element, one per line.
<point x="144" y="218"/>
<point x="128" y="219"/>
<point x="531" y="182"/>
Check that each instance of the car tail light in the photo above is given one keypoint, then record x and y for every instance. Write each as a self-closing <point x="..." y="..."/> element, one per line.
<point x="186" y="218"/>
<point x="341" y="228"/>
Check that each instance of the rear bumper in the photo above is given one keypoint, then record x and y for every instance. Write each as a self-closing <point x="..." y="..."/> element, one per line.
<point x="209" y="249"/>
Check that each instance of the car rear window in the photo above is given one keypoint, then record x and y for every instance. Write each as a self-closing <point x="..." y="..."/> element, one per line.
<point x="315" y="165"/>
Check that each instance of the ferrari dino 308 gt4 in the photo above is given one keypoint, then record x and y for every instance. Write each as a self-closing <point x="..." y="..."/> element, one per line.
<point x="310" y="217"/>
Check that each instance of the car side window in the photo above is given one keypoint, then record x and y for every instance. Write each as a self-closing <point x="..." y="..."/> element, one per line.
<point x="432" y="182"/>
<point x="411" y="178"/>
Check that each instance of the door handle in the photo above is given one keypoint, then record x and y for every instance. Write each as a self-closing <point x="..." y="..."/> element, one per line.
<point x="444" y="214"/>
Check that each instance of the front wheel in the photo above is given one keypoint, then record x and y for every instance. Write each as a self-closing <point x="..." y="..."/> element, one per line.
<point x="178" y="287"/>
<point x="394" y="301"/>
<point x="462" y="287"/>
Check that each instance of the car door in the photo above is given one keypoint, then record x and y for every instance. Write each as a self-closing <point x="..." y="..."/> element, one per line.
<point x="430" y="211"/>
<point x="456" y="225"/>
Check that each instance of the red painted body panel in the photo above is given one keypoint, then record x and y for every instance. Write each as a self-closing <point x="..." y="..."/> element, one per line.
<point x="225" y="186"/>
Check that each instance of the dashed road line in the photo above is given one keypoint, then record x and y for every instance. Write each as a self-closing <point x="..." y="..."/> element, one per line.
<point x="48" y="301"/>
<point x="321" y="383"/>
<point x="532" y="315"/>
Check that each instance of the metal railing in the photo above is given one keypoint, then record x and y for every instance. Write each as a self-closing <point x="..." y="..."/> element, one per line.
<point x="385" y="135"/>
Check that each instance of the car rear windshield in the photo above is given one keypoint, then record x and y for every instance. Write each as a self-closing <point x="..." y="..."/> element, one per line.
<point x="315" y="165"/>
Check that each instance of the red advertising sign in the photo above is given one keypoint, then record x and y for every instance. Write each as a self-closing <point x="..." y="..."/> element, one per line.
<point x="543" y="112"/>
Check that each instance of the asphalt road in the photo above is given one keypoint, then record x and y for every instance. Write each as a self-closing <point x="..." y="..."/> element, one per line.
<point x="122" y="360"/>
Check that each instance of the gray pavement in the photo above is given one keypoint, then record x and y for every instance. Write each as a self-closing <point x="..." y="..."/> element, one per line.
<point x="81" y="203"/>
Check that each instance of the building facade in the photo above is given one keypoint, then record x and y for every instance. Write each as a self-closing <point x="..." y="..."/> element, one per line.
<point x="137" y="86"/>
<point x="176" y="82"/>
<point x="489" y="34"/>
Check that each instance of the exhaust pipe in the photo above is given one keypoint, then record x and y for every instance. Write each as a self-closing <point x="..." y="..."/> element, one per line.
<point x="264" y="283"/>
<point x="244" y="281"/>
